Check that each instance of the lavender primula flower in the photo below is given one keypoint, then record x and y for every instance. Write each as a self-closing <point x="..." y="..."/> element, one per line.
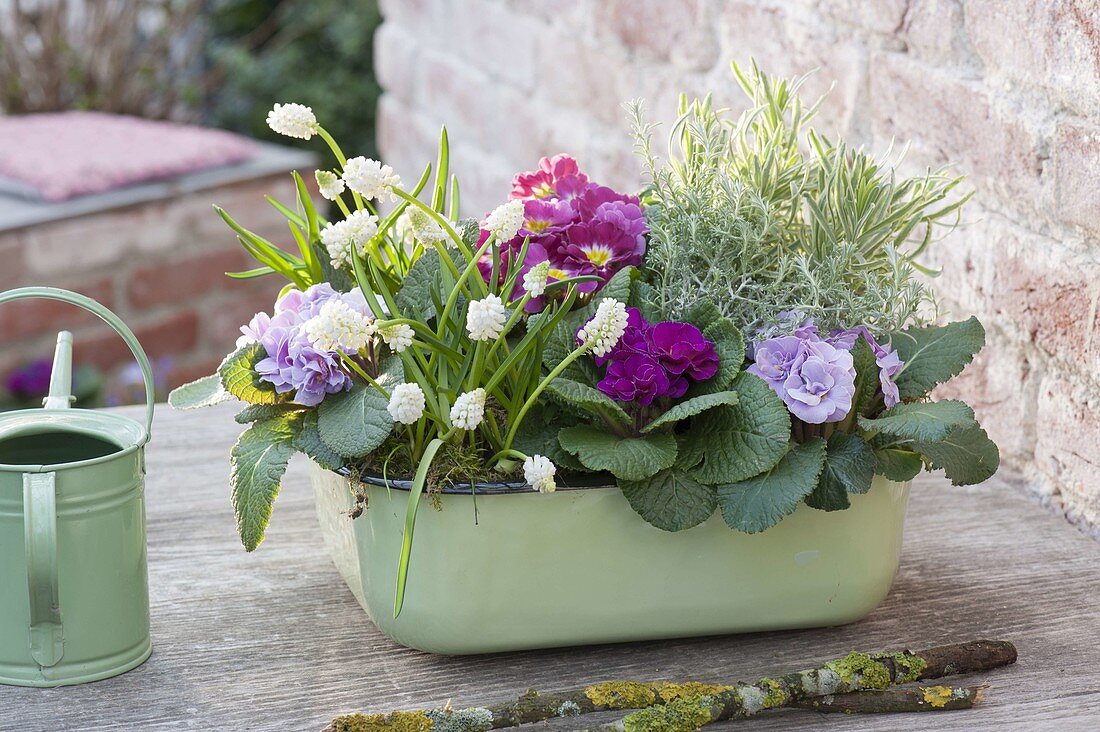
<point x="821" y="383"/>
<point x="889" y="365"/>
<point x="773" y="360"/>
<point x="314" y="373"/>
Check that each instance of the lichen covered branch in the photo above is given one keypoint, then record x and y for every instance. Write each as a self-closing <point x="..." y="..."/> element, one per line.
<point x="692" y="704"/>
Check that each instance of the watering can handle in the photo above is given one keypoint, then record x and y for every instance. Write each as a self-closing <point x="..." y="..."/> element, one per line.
<point x="87" y="303"/>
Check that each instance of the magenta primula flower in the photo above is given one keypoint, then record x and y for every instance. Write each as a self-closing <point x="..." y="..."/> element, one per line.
<point x="546" y="216"/>
<point x="637" y="378"/>
<point x="598" y="248"/>
<point x="682" y="349"/>
<point x="550" y="176"/>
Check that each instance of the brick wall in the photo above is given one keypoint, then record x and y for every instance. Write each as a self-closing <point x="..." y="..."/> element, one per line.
<point x="160" y="266"/>
<point x="1006" y="90"/>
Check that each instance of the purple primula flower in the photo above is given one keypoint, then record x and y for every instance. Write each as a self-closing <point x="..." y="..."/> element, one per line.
<point x="599" y="248"/>
<point x="637" y="378"/>
<point x="548" y="180"/>
<point x="682" y="349"/>
<point x="30" y="381"/>
<point x="821" y="383"/>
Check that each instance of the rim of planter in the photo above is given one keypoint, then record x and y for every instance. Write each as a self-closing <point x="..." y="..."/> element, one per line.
<point x="565" y="483"/>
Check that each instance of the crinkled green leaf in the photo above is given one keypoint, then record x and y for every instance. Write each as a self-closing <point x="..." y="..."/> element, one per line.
<point x="204" y="392"/>
<point x="897" y="464"/>
<point x="645" y="298"/>
<point x="732" y="443"/>
<point x="560" y="343"/>
<point x="966" y="455"/>
<point x="730" y="346"/>
<point x="925" y="421"/>
<point x="935" y="354"/>
<point x="588" y="399"/>
<point x="760" y="502"/>
<point x="849" y="468"/>
<point x="239" y="377"/>
<point x="356" y="422"/>
<point x="257" y="463"/>
<point x="309" y="442"/>
<point x="627" y="458"/>
<point x="538" y="435"/>
<point x="671" y="500"/>
<point x="254" y="412"/>
<point x="691" y="407"/>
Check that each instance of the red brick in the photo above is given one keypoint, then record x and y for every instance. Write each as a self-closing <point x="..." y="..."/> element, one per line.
<point x="13" y="267"/>
<point x="882" y="16"/>
<point x="935" y="32"/>
<point x="222" y="320"/>
<point x="183" y="280"/>
<point x="170" y="335"/>
<point x="25" y="319"/>
<point x="1067" y="423"/>
<point x="395" y="60"/>
<point x="680" y="32"/>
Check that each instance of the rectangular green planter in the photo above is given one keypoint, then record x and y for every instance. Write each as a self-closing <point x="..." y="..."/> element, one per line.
<point x="578" y="566"/>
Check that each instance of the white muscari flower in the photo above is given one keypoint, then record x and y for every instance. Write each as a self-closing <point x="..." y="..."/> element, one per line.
<point x="420" y="226"/>
<point x="534" y="281"/>
<point x="539" y="472"/>
<point x="506" y="220"/>
<point x="370" y="178"/>
<point x="342" y="238"/>
<point x="604" y="330"/>
<point x="398" y="336"/>
<point x="330" y="184"/>
<point x="406" y="403"/>
<point x="485" y="318"/>
<point x="468" y="409"/>
<point x="293" y="120"/>
<point x="339" y="327"/>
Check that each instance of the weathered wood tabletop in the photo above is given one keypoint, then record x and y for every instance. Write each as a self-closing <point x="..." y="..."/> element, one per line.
<point x="274" y="641"/>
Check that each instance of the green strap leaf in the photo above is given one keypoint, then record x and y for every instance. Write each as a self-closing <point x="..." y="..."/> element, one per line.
<point x="588" y="399"/>
<point x="627" y="458"/>
<point x="761" y="502"/>
<point x="258" y="462"/>
<point x="935" y="354"/>
<point x="966" y="455"/>
<point x="204" y="392"/>
<point x="671" y="500"/>
<point x="239" y="378"/>
<point x="925" y="421"/>
<point x="897" y="464"/>
<point x="691" y="407"/>
<point x="732" y="443"/>
<point x="415" y="493"/>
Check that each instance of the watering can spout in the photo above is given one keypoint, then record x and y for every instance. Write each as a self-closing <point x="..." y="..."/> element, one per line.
<point x="61" y="378"/>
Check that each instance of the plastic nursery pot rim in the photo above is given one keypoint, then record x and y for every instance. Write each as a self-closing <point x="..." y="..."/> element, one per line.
<point x="572" y="483"/>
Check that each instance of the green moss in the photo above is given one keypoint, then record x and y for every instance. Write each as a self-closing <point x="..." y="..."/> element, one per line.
<point x="685" y="714"/>
<point x="860" y="671"/>
<point x="394" y="722"/>
<point x="775" y="695"/>
<point x="908" y="667"/>
<point x="937" y="696"/>
<point x="671" y="691"/>
<point x="621" y="695"/>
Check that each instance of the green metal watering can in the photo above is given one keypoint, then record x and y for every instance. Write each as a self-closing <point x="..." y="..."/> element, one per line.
<point x="74" y="588"/>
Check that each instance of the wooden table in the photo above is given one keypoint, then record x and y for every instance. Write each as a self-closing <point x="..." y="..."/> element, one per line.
<point x="274" y="641"/>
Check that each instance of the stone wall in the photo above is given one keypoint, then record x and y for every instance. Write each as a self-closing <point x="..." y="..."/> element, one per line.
<point x="1007" y="91"/>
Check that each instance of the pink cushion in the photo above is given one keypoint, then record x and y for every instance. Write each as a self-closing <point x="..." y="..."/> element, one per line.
<point x="59" y="156"/>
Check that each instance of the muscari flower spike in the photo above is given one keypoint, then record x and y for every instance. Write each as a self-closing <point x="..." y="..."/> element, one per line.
<point x="370" y="178"/>
<point x="406" y="403"/>
<point x="329" y="184"/>
<point x="539" y="472"/>
<point x="293" y="120"/>
<point x="485" y="318"/>
<point x="604" y="330"/>
<point x="351" y="235"/>
<point x="468" y="409"/>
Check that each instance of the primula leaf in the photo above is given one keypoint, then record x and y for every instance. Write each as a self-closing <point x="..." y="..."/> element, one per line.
<point x="849" y="468"/>
<point x="760" y="502"/>
<point x="560" y="343"/>
<point x="354" y="423"/>
<point x="926" y="421"/>
<point x="691" y="407"/>
<point x="627" y="458"/>
<point x="538" y="435"/>
<point x="934" y="354"/>
<point x="645" y="299"/>
<point x="867" y="376"/>
<point x="897" y="464"/>
<point x="309" y="442"/>
<point x="732" y="443"/>
<point x="730" y="346"/>
<point x="966" y="455"/>
<point x="588" y="399"/>
<point x="414" y="299"/>
<point x="205" y="392"/>
<point x="239" y="378"/>
<point x="258" y="462"/>
<point x="256" y="412"/>
<point x="671" y="500"/>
